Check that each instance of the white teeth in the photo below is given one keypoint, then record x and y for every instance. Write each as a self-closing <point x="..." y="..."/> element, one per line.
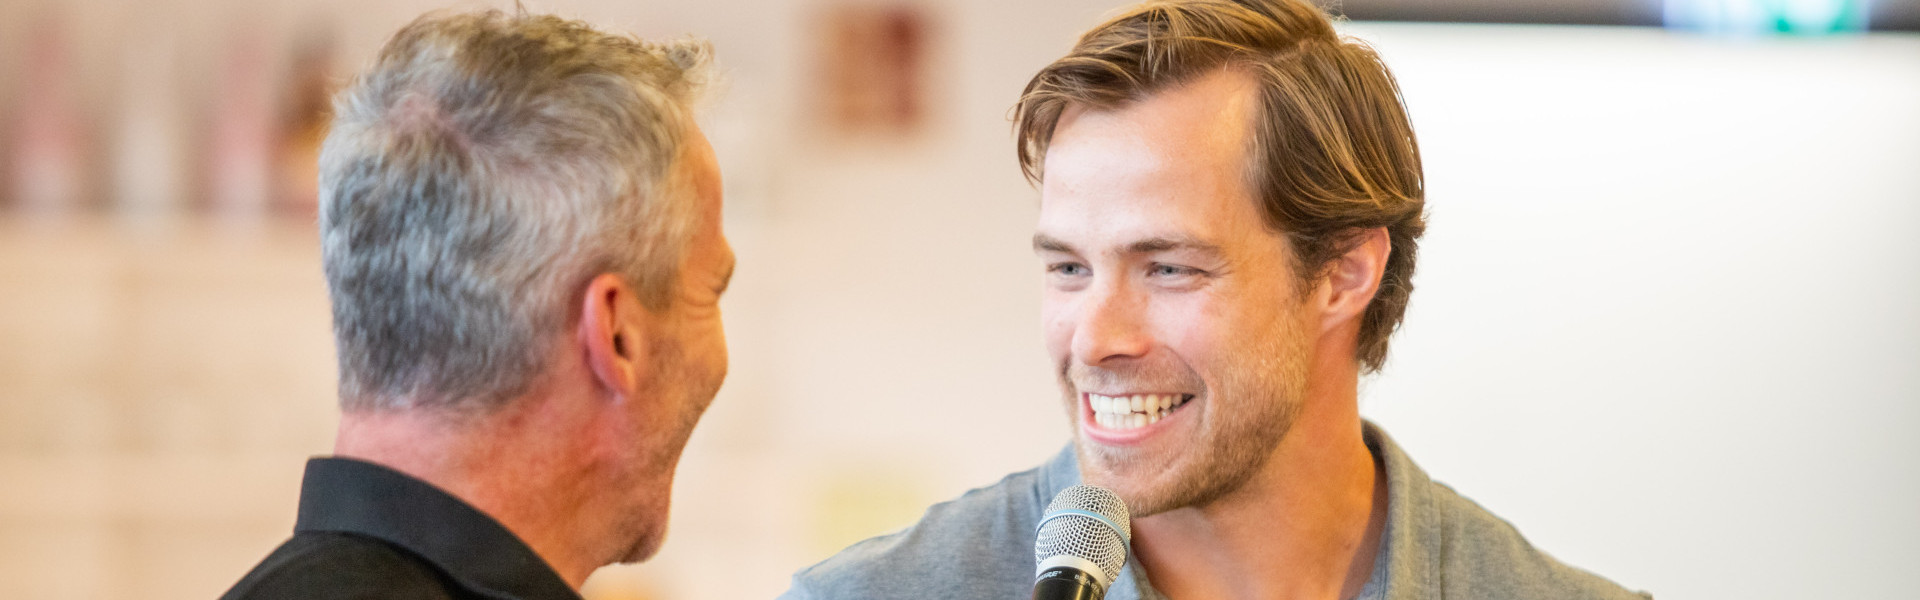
<point x="1133" y="410"/>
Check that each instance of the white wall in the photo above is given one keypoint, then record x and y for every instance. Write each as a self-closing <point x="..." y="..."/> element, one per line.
<point x="1668" y="314"/>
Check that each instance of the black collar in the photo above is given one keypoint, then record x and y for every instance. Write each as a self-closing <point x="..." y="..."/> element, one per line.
<point x="351" y="496"/>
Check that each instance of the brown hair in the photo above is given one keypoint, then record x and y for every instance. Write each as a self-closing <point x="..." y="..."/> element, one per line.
<point x="1333" y="152"/>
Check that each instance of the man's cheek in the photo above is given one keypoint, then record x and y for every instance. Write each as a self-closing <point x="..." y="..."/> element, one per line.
<point x="1188" y="326"/>
<point x="1057" y="331"/>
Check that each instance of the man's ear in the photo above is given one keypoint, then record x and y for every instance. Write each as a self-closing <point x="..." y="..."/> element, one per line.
<point x="612" y="330"/>
<point x="1352" y="279"/>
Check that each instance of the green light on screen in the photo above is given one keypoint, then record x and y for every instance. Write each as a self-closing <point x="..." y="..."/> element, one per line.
<point x="1768" y="17"/>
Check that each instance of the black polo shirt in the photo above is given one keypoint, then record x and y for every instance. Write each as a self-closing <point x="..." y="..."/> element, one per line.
<point x="367" y="531"/>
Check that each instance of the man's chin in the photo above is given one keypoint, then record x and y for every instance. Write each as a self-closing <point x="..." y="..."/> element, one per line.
<point x="1143" y="498"/>
<point x="642" y="548"/>
<point x="1143" y="487"/>
<point x="644" y="532"/>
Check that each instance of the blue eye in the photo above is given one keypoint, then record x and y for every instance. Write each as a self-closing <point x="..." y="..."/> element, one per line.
<point x="1164" y="270"/>
<point x="1068" y="269"/>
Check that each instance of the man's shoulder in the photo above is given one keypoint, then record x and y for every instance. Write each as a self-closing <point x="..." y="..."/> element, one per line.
<point x="324" y="565"/>
<point x="980" y="543"/>
<point x="1441" y="543"/>
<point x="1489" y="558"/>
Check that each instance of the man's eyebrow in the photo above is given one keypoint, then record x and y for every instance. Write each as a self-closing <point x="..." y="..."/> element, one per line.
<point x="1165" y="244"/>
<point x="1044" y="243"/>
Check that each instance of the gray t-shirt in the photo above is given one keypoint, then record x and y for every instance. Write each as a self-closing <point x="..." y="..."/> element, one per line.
<point x="980" y="545"/>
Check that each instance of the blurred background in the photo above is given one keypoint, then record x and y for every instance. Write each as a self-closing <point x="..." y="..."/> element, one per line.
<point x="1668" y="318"/>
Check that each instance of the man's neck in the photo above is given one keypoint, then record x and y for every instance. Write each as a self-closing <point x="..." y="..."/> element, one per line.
<point x="497" y="465"/>
<point x="1308" y="525"/>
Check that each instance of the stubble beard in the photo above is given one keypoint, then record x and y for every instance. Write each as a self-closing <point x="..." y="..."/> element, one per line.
<point x="650" y="474"/>
<point x="1246" y="418"/>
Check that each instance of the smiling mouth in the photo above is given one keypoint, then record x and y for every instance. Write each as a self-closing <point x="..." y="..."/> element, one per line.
<point x="1134" y="411"/>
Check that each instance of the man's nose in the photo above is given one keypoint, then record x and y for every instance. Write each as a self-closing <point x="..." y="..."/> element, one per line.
<point x="1112" y="326"/>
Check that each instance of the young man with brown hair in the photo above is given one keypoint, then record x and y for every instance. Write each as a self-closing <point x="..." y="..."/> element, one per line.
<point x="1231" y="199"/>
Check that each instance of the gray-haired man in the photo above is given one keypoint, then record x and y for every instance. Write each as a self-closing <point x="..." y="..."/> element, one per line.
<point x="521" y="236"/>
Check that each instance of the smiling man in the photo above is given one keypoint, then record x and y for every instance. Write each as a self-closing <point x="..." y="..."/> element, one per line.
<point x="1231" y="198"/>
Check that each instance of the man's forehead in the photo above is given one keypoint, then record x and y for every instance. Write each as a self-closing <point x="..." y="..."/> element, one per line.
<point x="1207" y="223"/>
<point x="1163" y="171"/>
<point x="1128" y="229"/>
<point x="1210" y="117"/>
<point x="1144" y="218"/>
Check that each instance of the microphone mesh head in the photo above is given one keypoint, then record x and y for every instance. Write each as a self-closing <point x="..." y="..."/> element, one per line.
<point x="1082" y="536"/>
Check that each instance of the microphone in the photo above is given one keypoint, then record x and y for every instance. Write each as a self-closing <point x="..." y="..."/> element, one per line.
<point x="1081" y="544"/>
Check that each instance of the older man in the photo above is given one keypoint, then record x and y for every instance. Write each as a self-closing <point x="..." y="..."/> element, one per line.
<point x="1231" y="197"/>
<point x="521" y="235"/>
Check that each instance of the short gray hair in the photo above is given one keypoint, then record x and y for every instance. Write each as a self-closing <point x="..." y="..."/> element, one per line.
<point x="477" y="175"/>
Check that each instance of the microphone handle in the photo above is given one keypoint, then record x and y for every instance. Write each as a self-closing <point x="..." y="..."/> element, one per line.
<point x="1067" y="583"/>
